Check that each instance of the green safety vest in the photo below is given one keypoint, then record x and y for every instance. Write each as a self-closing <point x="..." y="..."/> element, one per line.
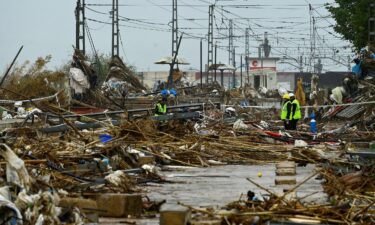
<point x="297" y="114"/>
<point x="162" y="109"/>
<point x="284" y="110"/>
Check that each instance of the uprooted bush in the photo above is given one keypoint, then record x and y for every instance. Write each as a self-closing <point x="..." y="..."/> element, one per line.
<point x="33" y="81"/>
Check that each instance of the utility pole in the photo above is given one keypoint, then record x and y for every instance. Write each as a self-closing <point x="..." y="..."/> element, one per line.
<point x="210" y="42"/>
<point x="234" y="65"/>
<point x="201" y="62"/>
<point x="174" y="28"/>
<point x="115" y="29"/>
<point x="80" y="26"/>
<point x="215" y="61"/>
<point x="371" y="24"/>
<point x="260" y="55"/>
<point x="241" y="69"/>
<point x="312" y="39"/>
<point x="230" y="46"/>
<point x="247" y="53"/>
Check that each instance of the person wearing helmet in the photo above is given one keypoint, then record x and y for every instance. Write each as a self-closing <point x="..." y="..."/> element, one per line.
<point x="165" y="93"/>
<point x="173" y="92"/>
<point x="285" y="111"/>
<point x="161" y="106"/>
<point x="295" y="112"/>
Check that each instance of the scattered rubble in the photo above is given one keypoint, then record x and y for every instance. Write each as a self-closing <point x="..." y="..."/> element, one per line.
<point x="64" y="166"/>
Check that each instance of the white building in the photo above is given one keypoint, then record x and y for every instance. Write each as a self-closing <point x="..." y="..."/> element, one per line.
<point x="263" y="72"/>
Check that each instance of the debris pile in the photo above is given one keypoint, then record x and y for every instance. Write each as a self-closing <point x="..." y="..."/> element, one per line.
<point x="63" y="167"/>
<point x="42" y="171"/>
<point x="354" y="99"/>
<point x="121" y="81"/>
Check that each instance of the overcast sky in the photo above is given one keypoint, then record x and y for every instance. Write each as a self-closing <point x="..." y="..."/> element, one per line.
<point x="48" y="27"/>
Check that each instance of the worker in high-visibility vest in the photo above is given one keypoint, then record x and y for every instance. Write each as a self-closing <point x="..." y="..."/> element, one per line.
<point x="161" y="107"/>
<point x="286" y="110"/>
<point x="296" y="112"/>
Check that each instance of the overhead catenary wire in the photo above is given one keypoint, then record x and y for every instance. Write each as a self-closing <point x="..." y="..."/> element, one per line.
<point x="227" y="10"/>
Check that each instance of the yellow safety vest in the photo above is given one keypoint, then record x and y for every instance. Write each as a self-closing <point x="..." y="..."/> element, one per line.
<point x="162" y="109"/>
<point x="284" y="110"/>
<point x="297" y="114"/>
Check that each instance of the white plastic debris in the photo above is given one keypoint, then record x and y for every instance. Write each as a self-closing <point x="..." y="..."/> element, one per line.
<point x="21" y="111"/>
<point x="151" y="168"/>
<point x="77" y="215"/>
<point x="133" y="151"/>
<point x="12" y="211"/>
<point x="115" y="178"/>
<point x="18" y="104"/>
<point x="230" y="109"/>
<point x="240" y="125"/>
<point x="264" y="124"/>
<point x="263" y="90"/>
<point x="62" y="192"/>
<point x="198" y="126"/>
<point x="300" y="143"/>
<point x="214" y="162"/>
<point x="78" y="80"/>
<point x="40" y="220"/>
<point x="5" y="192"/>
<point x="44" y="208"/>
<point x="6" y="116"/>
<point x="24" y="200"/>
<point x="16" y="170"/>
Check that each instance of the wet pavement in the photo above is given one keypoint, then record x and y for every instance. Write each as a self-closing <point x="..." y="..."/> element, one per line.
<point x="220" y="185"/>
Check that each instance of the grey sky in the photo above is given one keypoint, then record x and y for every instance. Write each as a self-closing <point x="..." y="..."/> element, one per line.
<point x="48" y="27"/>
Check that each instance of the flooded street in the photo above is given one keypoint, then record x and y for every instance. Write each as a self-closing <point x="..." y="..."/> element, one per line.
<point x="220" y="185"/>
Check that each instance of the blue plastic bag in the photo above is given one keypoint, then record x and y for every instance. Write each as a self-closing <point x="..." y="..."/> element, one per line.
<point x="164" y="92"/>
<point x="356" y="69"/>
<point x="104" y="138"/>
<point x="173" y="92"/>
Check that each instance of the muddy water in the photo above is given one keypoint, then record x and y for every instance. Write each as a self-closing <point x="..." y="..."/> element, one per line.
<point x="214" y="186"/>
<point x="217" y="186"/>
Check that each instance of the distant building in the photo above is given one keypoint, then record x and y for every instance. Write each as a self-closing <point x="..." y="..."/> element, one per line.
<point x="263" y="72"/>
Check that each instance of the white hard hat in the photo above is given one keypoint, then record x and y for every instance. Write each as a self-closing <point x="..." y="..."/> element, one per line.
<point x="291" y="95"/>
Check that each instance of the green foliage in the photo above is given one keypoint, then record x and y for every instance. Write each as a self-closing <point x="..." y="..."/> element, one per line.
<point x="33" y="80"/>
<point x="352" y="20"/>
<point x="101" y="66"/>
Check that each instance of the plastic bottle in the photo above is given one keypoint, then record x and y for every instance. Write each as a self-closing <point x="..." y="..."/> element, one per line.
<point x="313" y="128"/>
